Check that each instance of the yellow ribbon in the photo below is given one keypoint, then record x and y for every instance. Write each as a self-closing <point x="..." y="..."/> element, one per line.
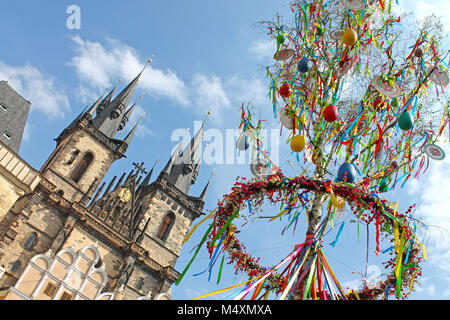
<point x="354" y="292"/>
<point x="398" y="268"/>
<point x="197" y="224"/>
<point x="226" y="289"/>
<point x="424" y="250"/>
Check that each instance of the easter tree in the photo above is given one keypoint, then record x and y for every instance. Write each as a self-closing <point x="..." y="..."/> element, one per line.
<point x="362" y="96"/>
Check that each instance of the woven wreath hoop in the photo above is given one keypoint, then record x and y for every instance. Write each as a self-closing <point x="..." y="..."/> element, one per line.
<point x="365" y="205"/>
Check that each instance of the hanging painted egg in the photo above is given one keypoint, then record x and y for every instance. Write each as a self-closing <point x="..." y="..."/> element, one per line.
<point x="243" y="143"/>
<point x="338" y="202"/>
<point x="406" y="121"/>
<point x="285" y="90"/>
<point x="346" y="171"/>
<point x="434" y="152"/>
<point x="260" y="168"/>
<point x="298" y="143"/>
<point x="331" y="113"/>
<point x="350" y="37"/>
<point x="418" y="53"/>
<point x="286" y="119"/>
<point x="284" y="54"/>
<point x="304" y="65"/>
<point x="394" y="165"/>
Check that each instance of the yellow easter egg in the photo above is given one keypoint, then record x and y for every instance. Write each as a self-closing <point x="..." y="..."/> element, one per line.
<point x="298" y="143"/>
<point x="350" y="37"/>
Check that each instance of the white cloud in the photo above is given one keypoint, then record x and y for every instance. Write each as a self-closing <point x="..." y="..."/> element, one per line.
<point x="37" y="87"/>
<point x="209" y="95"/>
<point x="431" y="196"/>
<point x="99" y="66"/>
<point x="423" y="8"/>
<point x="262" y="49"/>
<point x="248" y="90"/>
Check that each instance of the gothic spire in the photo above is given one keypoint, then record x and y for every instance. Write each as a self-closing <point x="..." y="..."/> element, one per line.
<point x="149" y="176"/>
<point x="107" y="99"/>
<point x="184" y="168"/>
<point x="168" y="168"/>
<point x="205" y="190"/>
<point x="75" y="121"/>
<point x="126" y="117"/>
<point x="109" y="119"/>
<point x="94" y="107"/>
<point x="132" y="132"/>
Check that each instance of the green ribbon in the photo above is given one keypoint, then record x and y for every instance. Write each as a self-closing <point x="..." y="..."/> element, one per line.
<point x="223" y="228"/>
<point x="220" y="270"/>
<point x="195" y="254"/>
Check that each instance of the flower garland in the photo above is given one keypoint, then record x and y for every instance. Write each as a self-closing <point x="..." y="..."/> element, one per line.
<point x="365" y="205"/>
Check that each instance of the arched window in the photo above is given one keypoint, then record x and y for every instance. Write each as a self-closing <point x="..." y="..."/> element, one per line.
<point x="81" y="168"/>
<point x="31" y="241"/>
<point x="165" y="227"/>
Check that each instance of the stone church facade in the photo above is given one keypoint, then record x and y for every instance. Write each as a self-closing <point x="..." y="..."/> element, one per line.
<point x="137" y="224"/>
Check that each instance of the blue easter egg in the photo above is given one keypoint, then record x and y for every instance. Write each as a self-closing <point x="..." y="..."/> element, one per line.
<point x="347" y="170"/>
<point x="304" y="65"/>
<point x="243" y="144"/>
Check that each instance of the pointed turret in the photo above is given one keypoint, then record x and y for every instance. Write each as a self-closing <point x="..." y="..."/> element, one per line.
<point x="149" y="176"/>
<point x="107" y="99"/>
<point x="126" y="117"/>
<point x="184" y="168"/>
<point x="94" y="107"/>
<point x="205" y="190"/>
<point x="130" y="135"/>
<point x="168" y="168"/>
<point x="109" y="119"/>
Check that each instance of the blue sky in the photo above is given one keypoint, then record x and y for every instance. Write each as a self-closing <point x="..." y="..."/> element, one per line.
<point x="207" y="56"/>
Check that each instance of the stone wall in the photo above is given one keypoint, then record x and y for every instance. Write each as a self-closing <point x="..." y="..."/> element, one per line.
<point x="13" y="116"/>
<point x="150" y="282"/>
<point x="158" y="205"/>
<point x="45" y="221"/>
<point x="16" y="178"/>
<point x="69" y="157"/>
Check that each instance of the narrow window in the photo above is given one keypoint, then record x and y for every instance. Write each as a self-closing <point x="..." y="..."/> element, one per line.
<point x="31" y="241"/>
<point x="165" y="227"/>
<point x="140" y="284"/>
<point x="3" y="107"/>
<point x="81" y="168"/>
<point x="7" y="135"/>
<point x="50" y="290"/>
<point x="15" y="266"/>
<point x="66" y="296"/>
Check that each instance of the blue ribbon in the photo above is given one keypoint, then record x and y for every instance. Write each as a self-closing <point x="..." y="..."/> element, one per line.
<point x="338" y="235"/>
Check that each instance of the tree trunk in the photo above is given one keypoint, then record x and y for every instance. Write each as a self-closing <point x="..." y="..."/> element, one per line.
<point x="314" y="217"/>
<point x="314" y="214"/>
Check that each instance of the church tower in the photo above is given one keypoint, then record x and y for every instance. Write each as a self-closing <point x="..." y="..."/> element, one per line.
<point x="136" y="224"/>
<point x="87" y="148"/>
<point x="154" y="216"/>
